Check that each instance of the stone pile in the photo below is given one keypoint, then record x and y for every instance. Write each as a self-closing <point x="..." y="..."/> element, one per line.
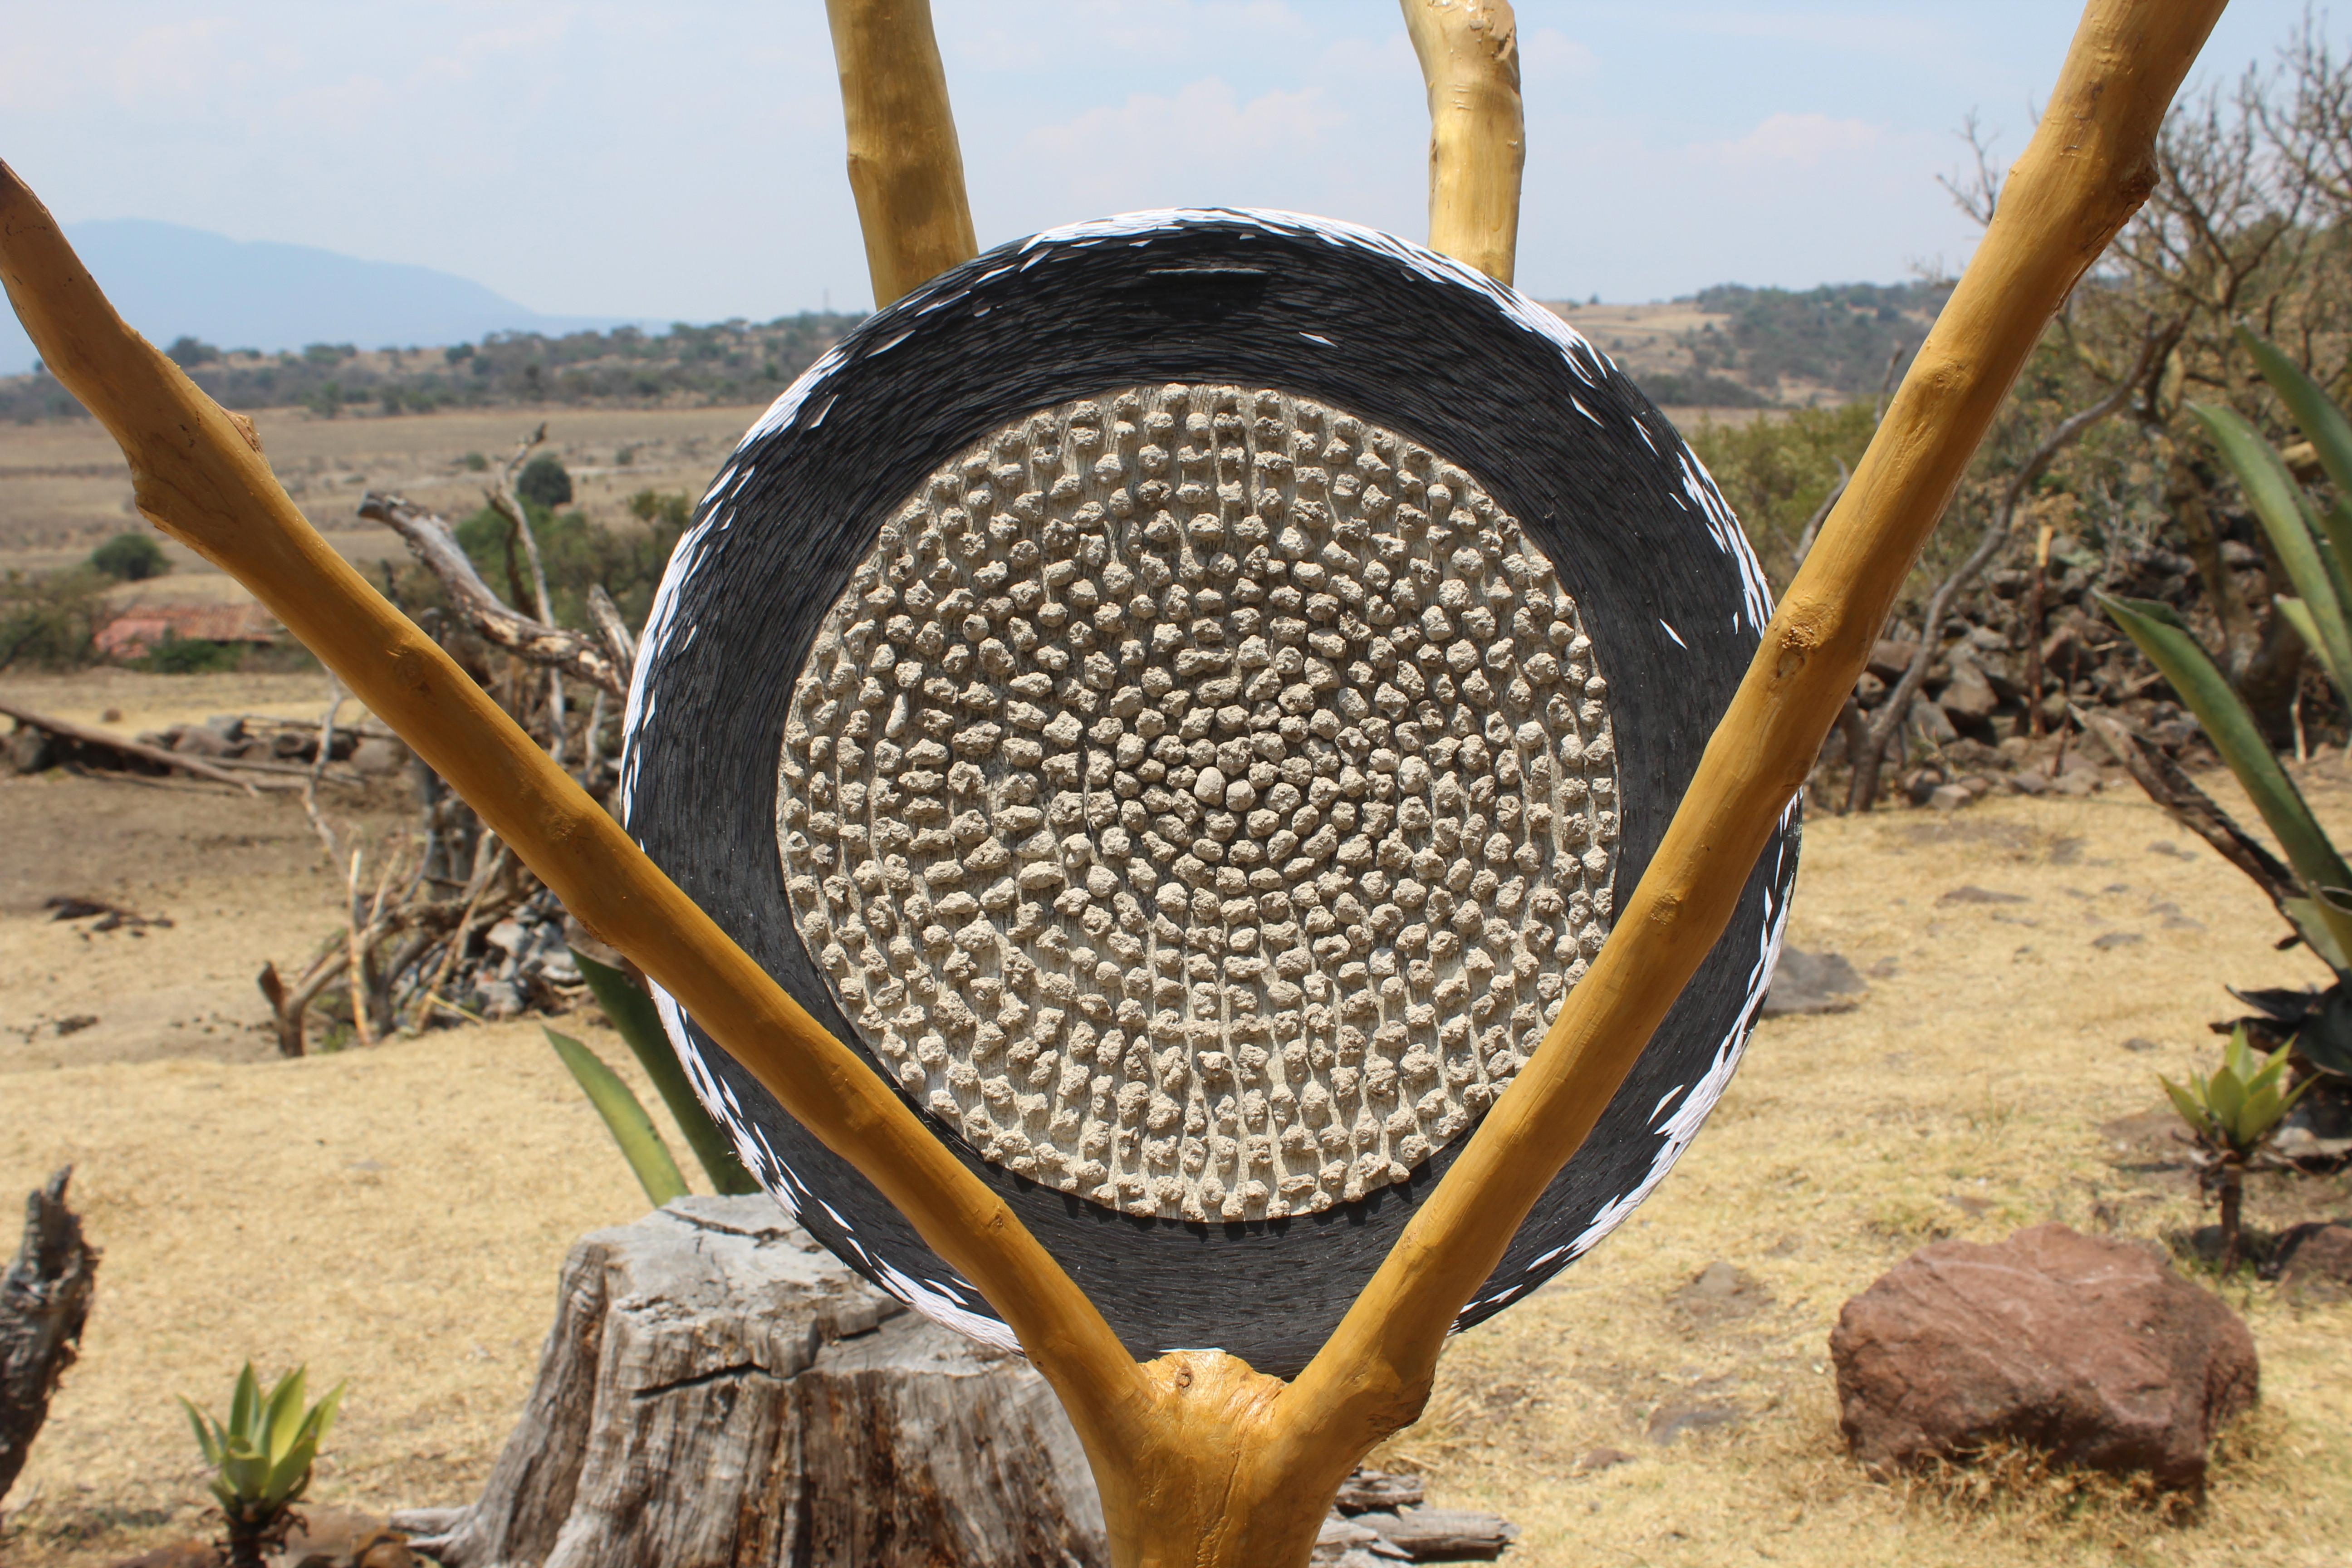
<point x="1972" y="724"/>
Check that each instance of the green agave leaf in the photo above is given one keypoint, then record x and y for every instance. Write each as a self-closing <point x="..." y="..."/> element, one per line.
<point x="282" y="1416"/>
<point x="2327" y="1039"/>
<point x="2160" y="634"/>
<point x="2298" y="615"/>
<point x="2278" y="502"/>
<point x="626" y="1119"/>
<point x="244" y="1405"/>
<point x="632" y="1013"/>
<point x="2312" y="926"/>
<point x="291" y="1475"/>
<point x="321" y="1416"/>
<point x="224" y="1495"/>
<point x="245" y="1471"/>
<point x="2225" y="1096"/>
<point x="202" y="1423"/>
<point x="2273" y="1067"/>
<point x="2190" y="1106"/>
<point x="2324" y="424"/>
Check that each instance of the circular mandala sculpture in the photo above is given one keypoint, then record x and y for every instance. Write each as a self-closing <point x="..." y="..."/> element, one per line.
<point x="1181" y="695"/>
<point x="1208" y="856"/>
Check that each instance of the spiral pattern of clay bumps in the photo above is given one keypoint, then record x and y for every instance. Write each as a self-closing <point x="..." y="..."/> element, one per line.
<point x="1200" y="800"/>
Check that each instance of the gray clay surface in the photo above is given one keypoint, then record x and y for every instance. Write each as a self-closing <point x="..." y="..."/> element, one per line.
<point x="1200" y="800"/>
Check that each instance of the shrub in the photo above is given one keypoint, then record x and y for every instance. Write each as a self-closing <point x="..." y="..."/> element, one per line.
<point x="578" y="555"/>
<point x="186" y="351"/>
<point x="130" y="558"/>
<point x="49" y="619"/>
<point x="177" y="655"/>
<point x="673" y="509"/>
<point x="545" y="482"/>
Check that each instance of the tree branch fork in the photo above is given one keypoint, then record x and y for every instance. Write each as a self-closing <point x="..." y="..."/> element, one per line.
<point x="1201" y="1460"/>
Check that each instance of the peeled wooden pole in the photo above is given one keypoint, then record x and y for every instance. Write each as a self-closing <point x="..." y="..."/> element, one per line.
<point x="200" y="476"/>
<point x="1469" y="52"/>
<point x="1202" y="1461"/>
<point x="905" y="167"/>
<point x="2090" y="165"/>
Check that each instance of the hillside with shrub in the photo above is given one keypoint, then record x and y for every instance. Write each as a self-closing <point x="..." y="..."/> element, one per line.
<point x="727" y="363"/>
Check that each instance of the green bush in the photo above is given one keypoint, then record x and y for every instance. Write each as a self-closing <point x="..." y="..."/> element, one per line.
<point x="577" y="554"/>
<point x="1776" y="469"/>
<point x="186" y="351"/>
<point x="48" y="620"/>
<point x="130" y="558"/>
<point x="177" y="655"/>
<point x="672" y="509"/>
<point x="545" y="482"/>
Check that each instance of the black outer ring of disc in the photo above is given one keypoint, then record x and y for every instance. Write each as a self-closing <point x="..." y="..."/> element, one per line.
<point x="1383" y="330"/>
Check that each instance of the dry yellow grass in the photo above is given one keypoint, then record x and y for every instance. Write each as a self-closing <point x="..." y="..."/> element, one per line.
<point x="64" y="489"/>
<point x="396" y="1216"/>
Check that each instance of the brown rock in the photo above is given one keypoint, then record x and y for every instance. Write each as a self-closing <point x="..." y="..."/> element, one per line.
<point x="2317" y="1260"/>
<point x="1968" y="697"/>
<point x="31" y="750"/>
<point x="344" y="1538"/>
<point x="1888" y="660"/>
<point x="376" y="756"/>
<point x="2093" y="1351"/>
<point x="176" y="1554"/>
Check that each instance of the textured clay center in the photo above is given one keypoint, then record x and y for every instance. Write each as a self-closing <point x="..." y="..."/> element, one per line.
<point x="1200" y="800"/>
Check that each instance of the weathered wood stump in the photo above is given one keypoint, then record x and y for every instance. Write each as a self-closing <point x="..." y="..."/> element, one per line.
<point x="44" y="1303"/>
<point x="719" y="1392"/>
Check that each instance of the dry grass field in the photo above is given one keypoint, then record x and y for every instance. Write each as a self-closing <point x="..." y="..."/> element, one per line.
<point x="63" y="488"/>
<point x="396" y="1216"/>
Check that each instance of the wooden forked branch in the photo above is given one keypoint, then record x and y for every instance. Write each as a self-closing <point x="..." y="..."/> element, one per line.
<point x="1201" y="1459"/>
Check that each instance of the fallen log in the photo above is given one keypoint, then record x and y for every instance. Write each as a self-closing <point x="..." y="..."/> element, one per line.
<point x="83" y="735"/>
<point x="44" y="1303"/>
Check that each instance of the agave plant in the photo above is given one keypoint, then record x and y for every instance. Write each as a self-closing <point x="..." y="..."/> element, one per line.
<point x="261" y="1457"/>
<point x="641" y="1143"/>
<point x="630" y="1010"/>
<point x="2315" y="547"/>
<point x="2233" y="1113"/>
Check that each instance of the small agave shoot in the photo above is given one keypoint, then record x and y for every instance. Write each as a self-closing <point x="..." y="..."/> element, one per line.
<point x="2233" y="1113"/>
<point x="261" y="1457"/>
<point x="2314" y="545"/>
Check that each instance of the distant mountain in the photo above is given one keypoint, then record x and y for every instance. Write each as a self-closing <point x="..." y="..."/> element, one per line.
<point x="168" y="281"/>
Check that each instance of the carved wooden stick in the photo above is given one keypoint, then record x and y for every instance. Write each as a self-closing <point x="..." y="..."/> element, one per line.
<point x="200" y="477"/>
<point x="1469" y="53"/>
<point x="2089" y="166"/>
<point x="905" y="167"/>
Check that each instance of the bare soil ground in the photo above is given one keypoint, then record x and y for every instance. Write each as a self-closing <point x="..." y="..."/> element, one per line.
<point x="396" y="1216"/>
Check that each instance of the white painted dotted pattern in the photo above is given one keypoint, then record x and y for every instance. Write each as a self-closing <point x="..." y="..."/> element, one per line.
<point x="1201" y="800"/>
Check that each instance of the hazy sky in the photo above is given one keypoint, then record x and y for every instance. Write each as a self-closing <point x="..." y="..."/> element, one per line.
<point x="683" y="159"/>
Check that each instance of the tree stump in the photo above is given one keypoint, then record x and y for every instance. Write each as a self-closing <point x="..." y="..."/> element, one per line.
<point x="719" y="1392"/>
<point x="44" y="1302"/>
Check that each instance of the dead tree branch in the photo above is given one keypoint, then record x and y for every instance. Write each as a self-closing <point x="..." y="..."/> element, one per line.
<point x="44" y="1303"/>
<point x="509" y="504"/>
<point x="429" y="539"/>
